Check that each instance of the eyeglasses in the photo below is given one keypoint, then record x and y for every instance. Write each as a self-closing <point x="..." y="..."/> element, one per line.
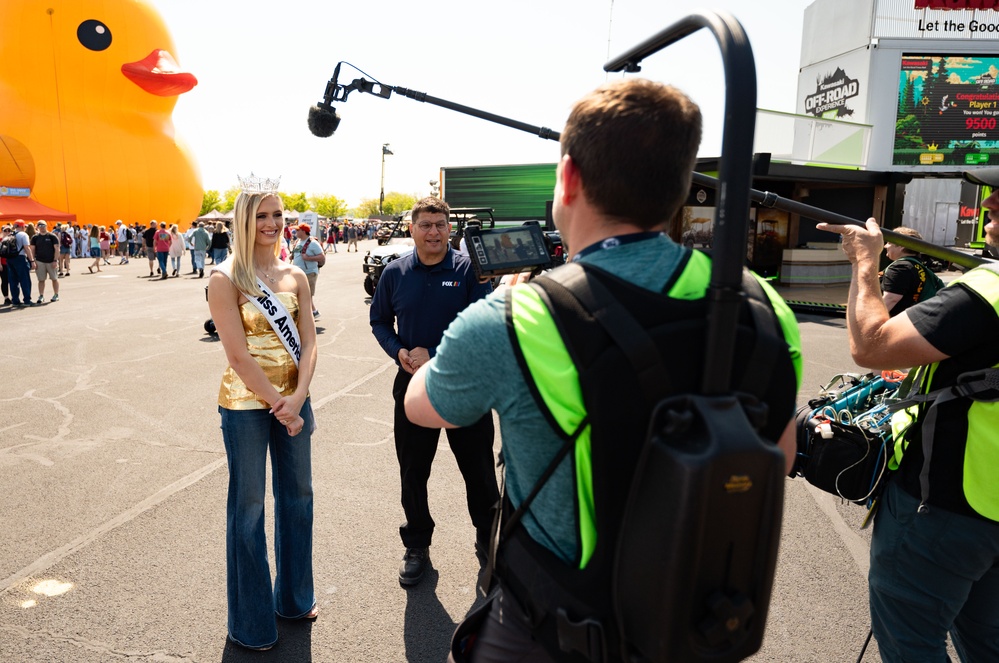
<point x="425" y="226"/>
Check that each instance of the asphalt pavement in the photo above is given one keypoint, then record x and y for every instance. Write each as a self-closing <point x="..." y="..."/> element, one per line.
<point x="114" y="487"/>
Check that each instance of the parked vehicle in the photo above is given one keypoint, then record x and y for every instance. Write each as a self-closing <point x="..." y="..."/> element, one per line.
<point x="394" y="242"/>
<point x="399" y="227"/>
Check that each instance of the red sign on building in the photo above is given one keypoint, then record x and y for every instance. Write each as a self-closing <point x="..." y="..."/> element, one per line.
<point x="957" y="4"/>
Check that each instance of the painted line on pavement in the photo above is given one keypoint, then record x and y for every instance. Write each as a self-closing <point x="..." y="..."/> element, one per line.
<point x="350" y="387"/>
<point x="52" y="558"/>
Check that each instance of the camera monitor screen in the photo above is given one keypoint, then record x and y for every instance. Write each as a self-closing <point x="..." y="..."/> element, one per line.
<point x="507" y="250"/>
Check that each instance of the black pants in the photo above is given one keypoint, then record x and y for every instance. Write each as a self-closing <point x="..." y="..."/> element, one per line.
<point x="415" y="447"/>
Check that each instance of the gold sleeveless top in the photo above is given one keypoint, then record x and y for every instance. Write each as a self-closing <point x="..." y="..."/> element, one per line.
<point x="264" y="346"/>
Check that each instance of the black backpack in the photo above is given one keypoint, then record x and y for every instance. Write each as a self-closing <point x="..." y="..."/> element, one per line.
<point x="929" y="283"/>
<point x="9" y="248"/>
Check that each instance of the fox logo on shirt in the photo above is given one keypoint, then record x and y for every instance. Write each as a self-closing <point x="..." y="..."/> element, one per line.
<point x="451" y="284"/>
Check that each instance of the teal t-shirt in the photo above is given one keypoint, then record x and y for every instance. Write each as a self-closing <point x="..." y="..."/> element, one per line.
<point x="475" y="371"/>
<point x="307" y="266"/>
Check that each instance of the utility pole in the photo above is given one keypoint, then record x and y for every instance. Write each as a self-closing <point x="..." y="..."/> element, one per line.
<point x="381" y="198"/>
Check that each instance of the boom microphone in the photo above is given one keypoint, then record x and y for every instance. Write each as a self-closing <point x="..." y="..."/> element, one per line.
<point x="323" y="120"/>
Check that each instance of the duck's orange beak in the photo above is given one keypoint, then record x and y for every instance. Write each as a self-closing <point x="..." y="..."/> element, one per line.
<point x="158" y="73"/>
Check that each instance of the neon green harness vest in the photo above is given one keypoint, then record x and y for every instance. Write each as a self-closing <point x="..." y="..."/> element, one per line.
<point x="981" y="454"/>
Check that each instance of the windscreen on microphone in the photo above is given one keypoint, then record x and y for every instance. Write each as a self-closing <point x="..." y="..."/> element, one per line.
<point x="323" y="120"/>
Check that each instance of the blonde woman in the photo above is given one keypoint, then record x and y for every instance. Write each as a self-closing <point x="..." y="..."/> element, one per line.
<point x="176" y="249"/>
<point x="264" y="404"/>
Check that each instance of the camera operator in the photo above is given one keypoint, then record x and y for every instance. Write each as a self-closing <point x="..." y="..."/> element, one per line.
<point x="628" y="150"/>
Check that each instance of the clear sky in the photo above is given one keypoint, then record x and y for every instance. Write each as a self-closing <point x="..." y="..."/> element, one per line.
<point x="261" y="65"/>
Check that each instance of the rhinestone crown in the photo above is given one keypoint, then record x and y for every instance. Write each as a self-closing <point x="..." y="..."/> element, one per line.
<point x="254" y="184"/>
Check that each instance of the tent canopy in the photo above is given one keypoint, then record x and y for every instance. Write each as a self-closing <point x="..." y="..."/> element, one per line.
<point x="215" y="215"/>
<point x="12" y="208"/>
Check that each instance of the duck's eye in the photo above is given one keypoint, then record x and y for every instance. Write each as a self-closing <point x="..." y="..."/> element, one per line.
<point x="94" y="35"/>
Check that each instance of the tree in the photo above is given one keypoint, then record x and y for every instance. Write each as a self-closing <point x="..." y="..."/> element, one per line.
<point x="327" y="205"/>
<point x="229" y="197"/>
<point x="295" y="201"/>
<point x="368" y="207"/>
<point x="397" y="203"/>
<point x="209" y="201"/>
<point x="907" y="99"/>
<point x="908" y="133"/>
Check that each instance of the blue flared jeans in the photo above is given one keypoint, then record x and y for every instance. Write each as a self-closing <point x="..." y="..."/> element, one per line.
<point x="253" y="605"/>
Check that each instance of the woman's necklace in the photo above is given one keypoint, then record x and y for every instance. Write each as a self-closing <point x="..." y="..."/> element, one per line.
<point x="267" y="276"/>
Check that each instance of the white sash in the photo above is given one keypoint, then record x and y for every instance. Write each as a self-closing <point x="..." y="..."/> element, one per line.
<point x="277" y="315"/>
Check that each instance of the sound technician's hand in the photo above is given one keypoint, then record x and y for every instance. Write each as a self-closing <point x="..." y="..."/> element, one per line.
<point x="859" y="244"/>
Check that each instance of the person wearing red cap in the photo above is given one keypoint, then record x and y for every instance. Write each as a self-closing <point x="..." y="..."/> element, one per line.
<point x="20" y="266"/>
<point x="935" y="548"/>
<point x="306" y="255"/>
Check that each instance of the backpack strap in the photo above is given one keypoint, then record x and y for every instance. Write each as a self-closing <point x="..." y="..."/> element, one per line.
<point x="764" y="353"/>
<point x="574" y="287"/>
<point x="973" y="385"/>
<point x="587" y="292"/>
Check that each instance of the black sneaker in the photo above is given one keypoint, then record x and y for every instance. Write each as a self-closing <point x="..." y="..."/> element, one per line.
<point x="414" y="565"/>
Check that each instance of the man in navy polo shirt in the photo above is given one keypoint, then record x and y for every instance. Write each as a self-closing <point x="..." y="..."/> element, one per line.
<point x="417" y="298"/>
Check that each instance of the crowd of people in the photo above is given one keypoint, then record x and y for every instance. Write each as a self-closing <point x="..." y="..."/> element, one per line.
<point x="48" y="251"/>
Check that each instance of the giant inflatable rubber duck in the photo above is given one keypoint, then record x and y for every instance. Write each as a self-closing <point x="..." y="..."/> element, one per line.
<point x="88" y="88"/>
